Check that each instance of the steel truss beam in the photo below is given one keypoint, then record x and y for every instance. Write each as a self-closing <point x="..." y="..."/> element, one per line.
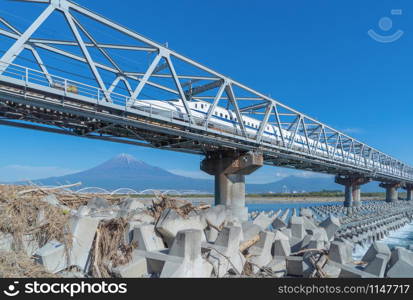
<point x="295" y="131"/>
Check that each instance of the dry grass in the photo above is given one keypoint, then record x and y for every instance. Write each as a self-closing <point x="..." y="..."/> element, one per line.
<point x="27" y="217"/>
<point x="109" y="247"/>
<point x="182" y="207"/>
<point x="247" y="271"/>
<point x="19" y="265"/>
<point x="163" y="202"/>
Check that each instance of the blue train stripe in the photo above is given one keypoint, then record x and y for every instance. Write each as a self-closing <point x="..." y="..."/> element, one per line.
<point x="233" y="122"/>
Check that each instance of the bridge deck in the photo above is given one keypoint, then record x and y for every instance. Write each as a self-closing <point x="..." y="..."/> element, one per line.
<point x="36" y="106"/>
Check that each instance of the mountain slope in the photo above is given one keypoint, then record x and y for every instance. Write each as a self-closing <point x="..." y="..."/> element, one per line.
<point x="124" y="171"/>
<point x="305" y="184"/>
<point x="296" y="183"/>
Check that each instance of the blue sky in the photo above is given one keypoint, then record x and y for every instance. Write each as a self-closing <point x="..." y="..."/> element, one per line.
<point x="315" y="56"/>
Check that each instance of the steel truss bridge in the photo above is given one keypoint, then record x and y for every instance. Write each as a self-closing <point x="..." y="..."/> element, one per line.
<point x="38" y="93"/>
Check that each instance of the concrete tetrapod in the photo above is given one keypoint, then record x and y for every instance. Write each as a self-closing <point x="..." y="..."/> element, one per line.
<point x="187" y="245"/>
<point x="224" y="253"/>
<point x="170" y="223"/>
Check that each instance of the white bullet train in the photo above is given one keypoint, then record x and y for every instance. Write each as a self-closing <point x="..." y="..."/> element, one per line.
<point x="226" y="120"/>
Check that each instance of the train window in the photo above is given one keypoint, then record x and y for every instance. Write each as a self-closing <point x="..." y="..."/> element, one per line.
<point x="196" y="105"/>
<point x="226" y="116"/>
<point x="221" y="115"/>
<point x="202" y="106"/>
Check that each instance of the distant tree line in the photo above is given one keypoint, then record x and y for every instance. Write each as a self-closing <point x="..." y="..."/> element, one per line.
<point x="323" y="193"/>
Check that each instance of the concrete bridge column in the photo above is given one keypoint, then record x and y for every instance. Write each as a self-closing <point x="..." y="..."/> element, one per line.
<point x="229" y="169"/>
<point x="356" y="195"/>
<point x="352" y="186"/>
<point x="391" y="191"/>
<point x="409" y="190"/>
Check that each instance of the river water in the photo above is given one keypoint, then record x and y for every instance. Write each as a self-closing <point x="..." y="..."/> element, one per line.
<point x="402" y="237"/>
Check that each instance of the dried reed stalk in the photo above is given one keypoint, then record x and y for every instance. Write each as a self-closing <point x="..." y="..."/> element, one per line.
<point x="19" y="265"/>
<point x="109" y="247"/>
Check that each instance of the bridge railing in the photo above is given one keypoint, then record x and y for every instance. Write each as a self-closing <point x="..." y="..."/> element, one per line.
<point x="70" y="87"/>
<point x="76" y="88"/>
<point x="29" y="75"/>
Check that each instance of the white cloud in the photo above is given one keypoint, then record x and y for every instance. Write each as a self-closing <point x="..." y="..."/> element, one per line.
<point x="12" y="173"/>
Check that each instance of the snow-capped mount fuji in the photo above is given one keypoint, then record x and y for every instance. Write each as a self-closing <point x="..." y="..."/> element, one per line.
<point x="126" y="166"/>
<point x="125" y="171"/>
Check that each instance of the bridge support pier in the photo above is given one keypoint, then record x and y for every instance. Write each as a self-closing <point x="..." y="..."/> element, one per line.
<point x="352" y="189"/>
<point x="409" y="190"/>
<point x="229" y="169"/>
<point x="392" y="194"/>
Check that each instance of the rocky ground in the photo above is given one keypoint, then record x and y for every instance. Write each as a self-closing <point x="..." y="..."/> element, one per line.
<point x="56" y="233"/>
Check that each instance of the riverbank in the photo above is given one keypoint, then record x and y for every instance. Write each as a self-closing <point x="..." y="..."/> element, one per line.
<point x="275" y="200"/>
